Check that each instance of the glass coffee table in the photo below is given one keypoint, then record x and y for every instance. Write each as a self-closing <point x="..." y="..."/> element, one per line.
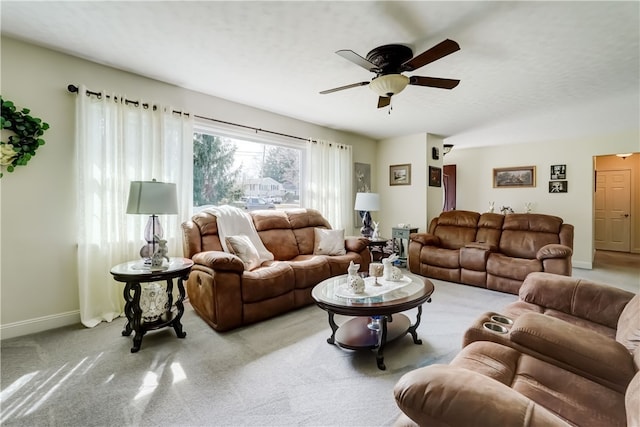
<point x="376" y="314"/>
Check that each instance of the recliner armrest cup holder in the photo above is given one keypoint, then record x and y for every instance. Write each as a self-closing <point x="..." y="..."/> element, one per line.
<point x="495" y="327"/>
<point x="504" y="320"/>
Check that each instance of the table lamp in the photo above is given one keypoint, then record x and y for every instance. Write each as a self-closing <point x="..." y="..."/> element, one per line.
<point x="152" y="198"/>
<point x="365" y="203"/>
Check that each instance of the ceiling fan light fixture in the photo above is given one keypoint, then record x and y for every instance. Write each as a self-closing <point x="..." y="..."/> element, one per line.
<point x="389" y="84"/>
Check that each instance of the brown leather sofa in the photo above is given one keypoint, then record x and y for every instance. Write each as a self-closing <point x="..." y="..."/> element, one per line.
<point x="571" y="356"/>
<point x="491" y="250"/>
<point x="227" y="296"/>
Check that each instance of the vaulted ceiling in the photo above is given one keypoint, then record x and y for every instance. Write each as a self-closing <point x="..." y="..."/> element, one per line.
<point x="528" y="70"/>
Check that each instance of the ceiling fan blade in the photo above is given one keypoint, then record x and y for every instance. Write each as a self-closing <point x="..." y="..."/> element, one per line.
<point x="433" y="82"/>
<point x="440" y="50"/>
<point x="335" y="89"/>
<point x="383" y="101"/>
<point x="358" y="60"/>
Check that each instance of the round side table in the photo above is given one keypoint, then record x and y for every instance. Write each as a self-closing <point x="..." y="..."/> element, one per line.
<point x="135" y="272"/>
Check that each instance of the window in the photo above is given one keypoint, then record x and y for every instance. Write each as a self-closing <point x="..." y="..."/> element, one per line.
<point x="250" y="173"/>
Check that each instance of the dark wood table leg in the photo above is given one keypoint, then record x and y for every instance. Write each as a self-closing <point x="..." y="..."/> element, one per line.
<point x="136" y="317"/>
<point x="177" y="325"/>
<point x="127" y="309"/>
<point x="334" y="328"/>
<point x="413" y="329"/>
<point x="383" y="341"/>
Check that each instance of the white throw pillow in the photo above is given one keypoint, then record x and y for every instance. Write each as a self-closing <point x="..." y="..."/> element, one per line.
<point x="242" y="247"/>
<point x="329" y="242"/>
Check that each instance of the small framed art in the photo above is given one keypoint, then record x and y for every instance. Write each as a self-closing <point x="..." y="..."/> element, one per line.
<point x="558" y="186"/>
<point x="559" y="172"/>
<point x="400" y="174"/>
<point x="514" y="177"/>
<point x="435" y="176"/>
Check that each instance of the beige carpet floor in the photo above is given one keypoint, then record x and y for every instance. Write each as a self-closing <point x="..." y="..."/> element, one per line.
<point x="280" y="372"/>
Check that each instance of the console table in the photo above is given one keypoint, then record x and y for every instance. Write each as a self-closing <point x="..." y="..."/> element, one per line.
<point x="135" y="272"/>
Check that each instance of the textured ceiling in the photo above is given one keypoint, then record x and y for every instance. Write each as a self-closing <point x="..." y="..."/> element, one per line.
<point x="528" y="70"/>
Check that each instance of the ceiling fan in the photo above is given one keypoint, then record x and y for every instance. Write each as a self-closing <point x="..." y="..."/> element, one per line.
<point x="389" y="61"/>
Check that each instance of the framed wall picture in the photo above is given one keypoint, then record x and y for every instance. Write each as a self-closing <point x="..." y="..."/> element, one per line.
<point x="559" y="172"/>
<point x="400" y="174"/>
<point x="435" y="176"/>
<point x="362" y="177"/>
<point x="558" y="186"/>
<point x="361" y="184"/>
<point x="514" y="177"/>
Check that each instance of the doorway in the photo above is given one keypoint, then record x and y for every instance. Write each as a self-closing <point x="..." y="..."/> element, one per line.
<point x="612" y="210"/>
<point x="449" y="182"/>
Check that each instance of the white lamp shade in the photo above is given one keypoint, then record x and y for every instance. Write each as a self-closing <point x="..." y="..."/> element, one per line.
<point x="367" y="202"/>
<point x="389" y="84"/>
<point x="152" y="198"/>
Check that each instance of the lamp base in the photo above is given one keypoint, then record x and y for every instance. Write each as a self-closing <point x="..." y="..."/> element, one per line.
<point x="152" y="232"/>
<point x="366" y="229"/>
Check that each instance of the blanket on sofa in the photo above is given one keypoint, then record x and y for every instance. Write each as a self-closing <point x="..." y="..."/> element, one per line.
<point x="234" y="221"/>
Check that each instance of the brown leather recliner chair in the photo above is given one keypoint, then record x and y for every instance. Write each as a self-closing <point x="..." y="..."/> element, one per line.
<point x="568" y="351"/>
<point x="488" y="384"/>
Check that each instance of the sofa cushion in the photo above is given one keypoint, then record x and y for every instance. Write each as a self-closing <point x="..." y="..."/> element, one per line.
<point x="576" y="297"/>
<point x="524" y="234"/>
<point x="581" y="348"/>
<point x="570" y="396"/>
<point x="490" y="228"/>
<point x="328" y="242"/>
<point x="242" y="247"/>
<point x="273" y="279"/>
<point x="309" y="270"/>
<point x="456" y="228"/>
<point x="438" y="257"/>
<point x="513" y="268"/>
<point x="628" y="333"/>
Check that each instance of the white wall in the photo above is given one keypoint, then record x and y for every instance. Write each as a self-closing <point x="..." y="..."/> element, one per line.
<point x="475" y="180"/>
<point x="405" y="204"/>
<point x="435" y="194"/>
<point x="38" y="281"/>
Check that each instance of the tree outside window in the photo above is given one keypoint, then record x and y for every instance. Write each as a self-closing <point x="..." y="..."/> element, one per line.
<point x="229" y="171"/>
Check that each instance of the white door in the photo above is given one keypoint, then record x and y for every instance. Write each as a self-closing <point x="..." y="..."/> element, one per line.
<point x="612" y="210"/>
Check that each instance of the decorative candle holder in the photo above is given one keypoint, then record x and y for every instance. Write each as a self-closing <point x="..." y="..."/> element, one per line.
<point x="376" y="270"/>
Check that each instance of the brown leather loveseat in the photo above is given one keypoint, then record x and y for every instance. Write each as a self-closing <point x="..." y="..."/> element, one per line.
<point x="227" y="295"/>
<point x="570" y="355"/>
<point x="491" y="250"/>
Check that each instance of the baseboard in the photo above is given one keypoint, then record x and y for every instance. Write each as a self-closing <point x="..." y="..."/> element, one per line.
<point x="39" y="324"/>
<point x="583" y="264"/>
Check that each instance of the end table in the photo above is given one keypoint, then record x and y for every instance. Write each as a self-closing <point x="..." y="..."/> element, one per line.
<point x="376" y="248"/>
<point x="135" y="272"/>
<point x="399" y="235"/>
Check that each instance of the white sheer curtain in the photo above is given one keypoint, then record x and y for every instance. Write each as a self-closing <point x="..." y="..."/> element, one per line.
<point x="116" y="143"/>
<point x="328" y="172"/>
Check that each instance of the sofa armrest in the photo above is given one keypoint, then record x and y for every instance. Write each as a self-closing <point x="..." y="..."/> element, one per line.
<point x="581" y="298"/>
<point x="355" y="244"/>
<point x="554" y="251"/>
<point x="217" y="260"/>
<point x="582" y="348"/>
<point x="425" y="239"/>
<point x="442" y="395"/>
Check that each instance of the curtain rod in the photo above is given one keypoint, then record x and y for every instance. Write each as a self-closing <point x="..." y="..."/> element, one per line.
<point x="74" y="89"/>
